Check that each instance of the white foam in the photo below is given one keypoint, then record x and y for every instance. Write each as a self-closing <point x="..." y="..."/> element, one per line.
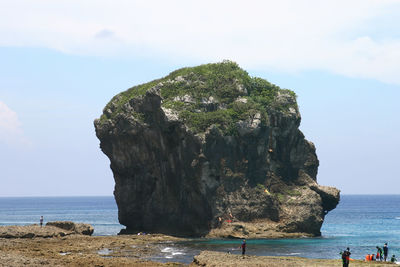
<point x="338" y="235"/>
<point x="167" y="250"/>
<point x="171" y="252"/>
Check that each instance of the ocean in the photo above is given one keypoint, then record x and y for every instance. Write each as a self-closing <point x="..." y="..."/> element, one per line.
<point x="360" y="222"/>
<point x="100" y="212"/>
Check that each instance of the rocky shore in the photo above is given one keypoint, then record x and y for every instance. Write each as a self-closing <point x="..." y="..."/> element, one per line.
<point x="82" y="250"/>
<point x="212" y="258"/>
<point x="129" y="250"/>
<point x="51" y="229"/>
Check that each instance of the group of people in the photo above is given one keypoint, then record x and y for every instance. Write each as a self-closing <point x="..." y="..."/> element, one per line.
<point x="227" y="218"/>
<point x="381" y="255"/>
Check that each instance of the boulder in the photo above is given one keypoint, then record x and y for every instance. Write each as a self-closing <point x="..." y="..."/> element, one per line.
<point x="207" y="147"/>
<point x="77" y="228"/>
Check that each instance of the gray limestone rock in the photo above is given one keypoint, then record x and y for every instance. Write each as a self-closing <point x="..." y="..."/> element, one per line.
<point x="51" y="229"/>
<point x="213" y="148"/>
<point x="77" y="228"/>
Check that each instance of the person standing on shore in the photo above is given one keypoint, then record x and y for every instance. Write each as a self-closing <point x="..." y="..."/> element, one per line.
<point x="346" y="257"/>
<point x="385" y="251"/>
<point x="41" y="221"/>
<point x="379" y="253"/>
<point x="243" y="246"/>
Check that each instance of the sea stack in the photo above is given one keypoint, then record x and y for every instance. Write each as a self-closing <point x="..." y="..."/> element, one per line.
<point x="212" y="151"/>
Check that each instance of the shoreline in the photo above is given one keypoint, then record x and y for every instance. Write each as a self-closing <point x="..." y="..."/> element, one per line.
<point x="132" y="250"/>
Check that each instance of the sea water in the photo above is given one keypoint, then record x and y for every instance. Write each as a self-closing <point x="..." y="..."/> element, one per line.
<point x="360" y="222"/>
<point x="100" y="212"/>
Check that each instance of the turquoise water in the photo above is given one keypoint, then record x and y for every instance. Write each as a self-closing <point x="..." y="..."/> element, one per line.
<point x="360" y="222"/>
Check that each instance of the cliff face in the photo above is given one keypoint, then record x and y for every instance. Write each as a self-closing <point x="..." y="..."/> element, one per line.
<point x="211" y="151"/>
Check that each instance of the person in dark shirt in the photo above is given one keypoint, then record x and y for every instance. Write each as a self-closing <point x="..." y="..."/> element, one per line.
<point x="393" y="259"/>
<point x="243" y="246"/>
<point x="346" y="257"/>
<point x="385" y="251"/>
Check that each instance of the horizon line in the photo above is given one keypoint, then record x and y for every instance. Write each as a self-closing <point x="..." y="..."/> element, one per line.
<point x="347" y="194"/>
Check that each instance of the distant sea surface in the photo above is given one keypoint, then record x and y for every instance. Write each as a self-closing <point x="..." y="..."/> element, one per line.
<point x="360" y="222"/>
<point x="100" y="212"/>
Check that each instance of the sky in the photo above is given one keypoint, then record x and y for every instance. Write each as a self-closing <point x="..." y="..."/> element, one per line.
<point x="62" y="61"/>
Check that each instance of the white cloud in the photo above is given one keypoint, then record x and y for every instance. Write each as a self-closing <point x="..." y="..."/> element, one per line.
<point x="10" y="127"/>
<point x="104" y="34"/>
<point x="288" y="35"/>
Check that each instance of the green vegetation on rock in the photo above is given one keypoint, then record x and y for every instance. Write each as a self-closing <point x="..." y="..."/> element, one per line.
<point x="219" y="94"/>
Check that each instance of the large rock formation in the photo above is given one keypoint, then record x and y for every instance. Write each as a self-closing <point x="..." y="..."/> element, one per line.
<point x="212" y="151"/>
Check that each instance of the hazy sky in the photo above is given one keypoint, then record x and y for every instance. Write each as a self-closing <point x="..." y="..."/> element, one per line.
<point x="61" y="61"/>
